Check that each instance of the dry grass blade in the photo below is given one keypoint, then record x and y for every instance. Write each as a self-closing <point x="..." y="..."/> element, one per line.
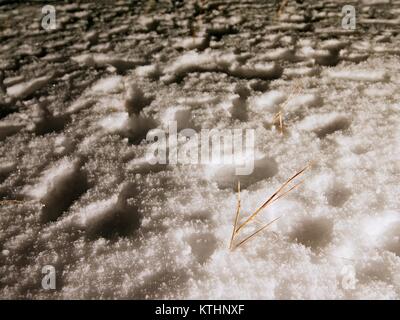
<point x="279" y="117"/>
<point x="281" y="192"/>
<point x="255" y="233"/>
<point x="282" y="7"/>
<point x="286" y="192"/>
<point x="273" y="198"/>
<point x="236" y="217"/>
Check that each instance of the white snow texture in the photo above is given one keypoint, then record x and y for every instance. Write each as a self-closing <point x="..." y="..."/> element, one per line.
<point x="78" y="193"/>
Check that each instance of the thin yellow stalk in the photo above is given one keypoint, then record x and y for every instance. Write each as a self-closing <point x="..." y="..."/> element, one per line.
<point x="256" y="232"/>
<point x="286" y="192"/>
<point x="282" y="7"/>
<point x="271" y="199"/>
<point x="277" y="198"/>
<point x="279" y="117"/>
<point x="281" y="192"/>
<point x="236" y="217"/>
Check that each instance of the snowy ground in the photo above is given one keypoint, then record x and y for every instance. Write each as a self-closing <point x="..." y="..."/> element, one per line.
<point x="77" y="102"/>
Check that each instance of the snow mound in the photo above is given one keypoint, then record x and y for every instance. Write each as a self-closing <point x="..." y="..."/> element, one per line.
<point x="323" y="125"/>
<point x="268" y="102"/>
<point x="25" y="89"/>
<point x="58" y="188"/>
<point x="103" y="60"/>
<point x="111" y="84"/>
<point x="359" y="75"/>
<point x="193" y="61"/>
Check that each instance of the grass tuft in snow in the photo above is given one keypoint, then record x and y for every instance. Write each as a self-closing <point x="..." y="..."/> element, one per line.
<point x="279" y="193"/>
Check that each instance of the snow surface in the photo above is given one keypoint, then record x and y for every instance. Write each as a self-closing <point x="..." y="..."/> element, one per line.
<point x="78" y="191"/>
